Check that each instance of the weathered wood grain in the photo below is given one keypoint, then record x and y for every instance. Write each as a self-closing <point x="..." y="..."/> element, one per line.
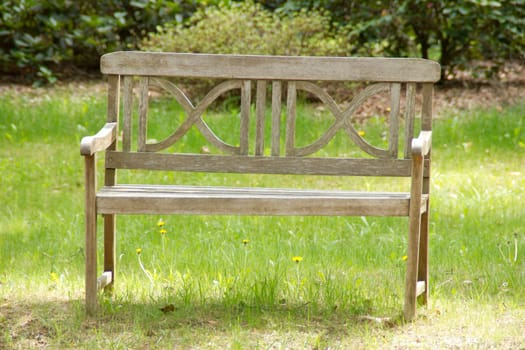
<point x="91" y="232"/>
<point x="260" y="165"/>
<point x="276" y="118"/>
<point x="270" y="67"/>
<point x="410" y="112"/>
<point x="149" y="199"/>
<point x="100" y="141"/>
<point x="127" y="111"/>
<point x="260" y="109"/>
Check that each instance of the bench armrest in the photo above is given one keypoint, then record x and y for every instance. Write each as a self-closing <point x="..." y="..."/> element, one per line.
<point x="99" y="142"/>
<point x="421" y="145"/>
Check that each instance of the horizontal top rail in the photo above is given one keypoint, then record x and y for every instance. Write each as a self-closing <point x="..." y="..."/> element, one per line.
<point x="271" y="67"/>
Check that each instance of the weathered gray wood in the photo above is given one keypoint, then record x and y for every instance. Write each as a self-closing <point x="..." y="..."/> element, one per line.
<point x="245" y="117"/>
<point x="420" y="288"/>
<point x="395" y="97"/>
<point x="91" y="233"/>
<point x="110" y="247"/>
<point x="414" y="231"/>
<point x="104" y="280"/>
<point x="194" y="116"/>
<point x="426" y="107"/>
<point x="144" y="199"/>
<point x="260" y="109"/>
<point x="410" y="112"/>
<point x="177" y="93"/>
<point x="127" y="111"/>
<point x="143" y="113"/>
<point x="276" y="118"/>
<point x="421" y="144"/>
<point x="100" y="141"/>
<point x="342" y="121"/>
<point x="260" y="165"/>
<point x="291" y="102"/>
<point x="299" y="73"/>
<point x="110" y="176"/>
<point x="113" y="98"/>
<point x="423" y="274"/>
<point x="270" y="67"/>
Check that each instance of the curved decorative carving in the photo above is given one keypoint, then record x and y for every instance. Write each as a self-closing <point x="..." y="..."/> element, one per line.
<point x="194" y="115"/>
<point x="342" y="119"/>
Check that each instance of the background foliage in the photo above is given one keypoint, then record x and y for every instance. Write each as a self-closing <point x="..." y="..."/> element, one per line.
<point x="247" y="28"/>
<point x="39" y="39"/>
<point x="455" y="33"/>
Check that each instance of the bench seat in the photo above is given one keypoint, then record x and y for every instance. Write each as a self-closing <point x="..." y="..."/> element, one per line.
<point x="155" y="199"/>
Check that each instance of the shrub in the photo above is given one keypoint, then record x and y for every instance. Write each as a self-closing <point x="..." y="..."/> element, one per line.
<point x="247" y="28"/>
<point x="457" y="33"/>
<point x="39" y="38"/>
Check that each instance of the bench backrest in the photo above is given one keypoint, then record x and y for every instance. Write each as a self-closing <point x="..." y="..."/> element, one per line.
<point x="283" y="76"/>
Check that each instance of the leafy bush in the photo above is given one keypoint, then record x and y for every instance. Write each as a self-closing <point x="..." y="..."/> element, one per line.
<point x="247" y="28"/>
<point x="457" y="33"/>
<point x="38" y="38"/>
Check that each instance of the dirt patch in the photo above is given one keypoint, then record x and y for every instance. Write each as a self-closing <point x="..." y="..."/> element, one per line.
<point x="26" y="325"/>
<point x="22" y="328"/>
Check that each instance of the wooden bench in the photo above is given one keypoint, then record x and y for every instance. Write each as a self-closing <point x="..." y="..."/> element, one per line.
<point x="407" y="82"/>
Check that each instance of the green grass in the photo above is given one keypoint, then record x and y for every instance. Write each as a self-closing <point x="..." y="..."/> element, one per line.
<point x="229" y="294"/>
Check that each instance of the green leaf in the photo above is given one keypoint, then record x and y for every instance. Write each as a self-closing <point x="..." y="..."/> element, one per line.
<point x="138" y="4"/>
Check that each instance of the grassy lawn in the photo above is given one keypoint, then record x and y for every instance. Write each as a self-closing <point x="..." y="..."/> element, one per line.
<point x="231" y="282"/>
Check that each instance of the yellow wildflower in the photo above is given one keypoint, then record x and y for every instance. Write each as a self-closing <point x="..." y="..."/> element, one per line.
<point x="245" y="241"/>
<point x="297" y="259"/>
<point x="161" y="223"/>
<point x="54" y="277"/>
<point x="361" y="133"/>
<point x="163" y="231"/>
<point x="138" y="250"/>
<point x="404" y="258"/>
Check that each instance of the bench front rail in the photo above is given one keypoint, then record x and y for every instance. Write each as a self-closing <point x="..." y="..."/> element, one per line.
<point x="269" y="84"/>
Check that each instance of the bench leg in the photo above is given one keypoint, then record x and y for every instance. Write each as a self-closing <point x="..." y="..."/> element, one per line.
<point x="412" y="269"/>
<point x="414" y="231"/>
<point x="110" y="249"/>
<point x="422" y="274"/>
<point x="91" y="236"/>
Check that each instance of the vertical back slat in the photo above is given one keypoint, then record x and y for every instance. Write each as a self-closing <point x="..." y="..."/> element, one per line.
<point x="113" y="98"/>
<point x="259" y="111"/>
<point x="291" y="101"/>
<point x="395" y="94"/>
<point x="245" y="117"/>
<point x="276" y="118"/>
<point x="426" y="115"/>
<point x="110" y="177"/>
<point x="127" y="110"/>
<point x="143" y="113"/>
<point x="410" y="111"/>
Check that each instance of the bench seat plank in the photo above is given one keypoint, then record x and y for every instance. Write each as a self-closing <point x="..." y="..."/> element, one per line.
<point x="154" y="199"/>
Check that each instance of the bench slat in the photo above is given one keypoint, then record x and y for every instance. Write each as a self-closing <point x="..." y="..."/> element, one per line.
<point x="153" y="199"/>
<point x="276" y="118"/>
<point x="271" y="67"/>
<point x="260" y="165"/>
<point x="410" y="111"/>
